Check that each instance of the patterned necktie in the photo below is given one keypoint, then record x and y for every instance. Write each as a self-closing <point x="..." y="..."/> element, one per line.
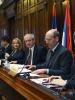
<point x="29" y="57"/>
<point x="49" y="57"/>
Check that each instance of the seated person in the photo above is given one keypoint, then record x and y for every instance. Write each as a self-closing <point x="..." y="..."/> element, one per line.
<point x="5" y="46"/>
<point x="35" y="54"/>
<point x="58" y="80"/>
<point x="1" y="52"/>
<point x="17" y="54"/>
<point x="70" y="83"/>
<point x="58" y="60"/>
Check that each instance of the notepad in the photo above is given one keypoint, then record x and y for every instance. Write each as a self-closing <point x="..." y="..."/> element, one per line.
<point x="59" y="82"/>
<point x="23" y="70"/>
<point x="16" y="68"/>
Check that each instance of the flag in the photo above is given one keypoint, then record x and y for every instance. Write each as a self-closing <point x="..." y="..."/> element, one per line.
<point x="54" y="23"/>
<point x="67" y="37"/>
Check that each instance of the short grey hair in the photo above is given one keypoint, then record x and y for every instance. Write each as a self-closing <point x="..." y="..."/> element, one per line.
<point x="31" y="35"/>
<point x="56" y="33"/>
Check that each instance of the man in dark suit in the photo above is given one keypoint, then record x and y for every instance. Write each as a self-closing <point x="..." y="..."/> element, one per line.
<point x="69" y="82"/>
<point x="58" y="60"/>
<point x="5" y="46"/>
<point x="34" y="54"/>
<point x="1" y="52"/>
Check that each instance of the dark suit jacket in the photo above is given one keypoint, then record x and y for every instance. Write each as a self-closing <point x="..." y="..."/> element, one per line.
<point x="71" y="78"/>
<point x="39" y="54"/>
<point x="60" y="63"/>
<point x="8" y="49"/>
<point x="5" y="50"/>
<point x="17" y="56"/>
<point x="1" y="52"/>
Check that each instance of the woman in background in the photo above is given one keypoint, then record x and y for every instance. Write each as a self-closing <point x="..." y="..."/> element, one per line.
<point x="17" y="54"/>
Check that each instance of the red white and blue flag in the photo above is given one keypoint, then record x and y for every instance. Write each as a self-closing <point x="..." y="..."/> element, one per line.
<point x="54" y="22"/>
<point x="67" y="36"/>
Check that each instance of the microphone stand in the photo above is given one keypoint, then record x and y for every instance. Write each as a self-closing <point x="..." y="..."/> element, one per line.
<point x="26" y="75"/>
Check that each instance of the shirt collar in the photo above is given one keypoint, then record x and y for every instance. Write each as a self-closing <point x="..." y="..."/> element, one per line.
<point x="32" y="48"/>
<point x="55" y="47"/>
<point x="7" y="45"/>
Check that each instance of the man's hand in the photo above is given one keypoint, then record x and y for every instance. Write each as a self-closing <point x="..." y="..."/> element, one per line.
<point x="57" y="80"/>
<point x="40" y="71"/>
<point x="6" y="55"/>
<point x="30" y="67"/>
<point x="54" y="77"/>
<point x="13" y="62"/>
<point x="51" y="78"/>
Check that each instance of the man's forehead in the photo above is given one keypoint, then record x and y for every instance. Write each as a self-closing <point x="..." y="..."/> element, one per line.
<point x="27" y="37"/>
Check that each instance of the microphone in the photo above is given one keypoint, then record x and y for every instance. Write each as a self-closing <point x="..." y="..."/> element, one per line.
<point x="26" y="75"/>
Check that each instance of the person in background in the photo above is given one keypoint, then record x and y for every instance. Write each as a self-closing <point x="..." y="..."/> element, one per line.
<point x="1" y="52"/>
<point x="17" y="54"/>
<point x="34" y="54"/>
<point x="59" y="59"/>
<point x="5" y="46"/>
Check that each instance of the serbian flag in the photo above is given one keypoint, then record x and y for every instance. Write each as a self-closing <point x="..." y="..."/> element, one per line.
<point x="54" y="23"/>
<point x="67" y="37"/>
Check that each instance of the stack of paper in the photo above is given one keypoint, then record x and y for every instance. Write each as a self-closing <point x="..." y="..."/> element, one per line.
<point x="16" y="68"/>
<point x="38" y="80"/>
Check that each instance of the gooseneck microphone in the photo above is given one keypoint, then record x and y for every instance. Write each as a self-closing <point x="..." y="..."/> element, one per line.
<point x="26" y="75"/>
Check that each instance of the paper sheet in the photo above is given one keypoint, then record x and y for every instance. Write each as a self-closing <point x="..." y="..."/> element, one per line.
<point x="16" y="68"/>
<point x="59" y="82"/>
<point x="23" y="70"/>
<point x="38" y="80"/>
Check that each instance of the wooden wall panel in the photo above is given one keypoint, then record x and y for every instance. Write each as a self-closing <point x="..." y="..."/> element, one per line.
<point x="35" y="16"/>
<point x="41" y="24"/>
<point x="26" y="24"/>
<point x="20" y="34"/>
<point x="3" y="24"/>
<point x="31" y="3"/>
<point x="19" y="7"/>
<point x="25" y="4"/>
<point x="11" y="28"/>
<point x="32" y="22"/>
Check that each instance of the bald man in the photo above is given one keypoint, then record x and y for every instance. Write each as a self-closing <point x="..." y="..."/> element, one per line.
<point x="58" y="60"/>
<point x="35" y="54"/>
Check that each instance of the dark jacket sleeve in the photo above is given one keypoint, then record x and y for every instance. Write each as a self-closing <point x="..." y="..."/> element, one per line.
<point x="18" y="56"/>
<point x="8" y="49"/>
<point x="65" y="62"/>
<point x="71" y="78"/>
<point x="22" y="57"/>
<point x="71" y="82"/>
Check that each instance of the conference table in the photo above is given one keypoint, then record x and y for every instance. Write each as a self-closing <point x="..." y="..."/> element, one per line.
<point x="28" y="89"/>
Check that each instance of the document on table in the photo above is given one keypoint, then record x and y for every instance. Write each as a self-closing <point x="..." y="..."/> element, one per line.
<point x="59" y="82"/>
<point x="23" y="70"/>
<point x="40" y="80"/>
<point x="17" y="68"/>
<point x="54" y="83"/>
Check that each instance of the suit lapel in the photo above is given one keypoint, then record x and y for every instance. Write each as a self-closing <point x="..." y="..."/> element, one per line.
<point x="34" y="54"/>
<point x="53" y="59"/>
